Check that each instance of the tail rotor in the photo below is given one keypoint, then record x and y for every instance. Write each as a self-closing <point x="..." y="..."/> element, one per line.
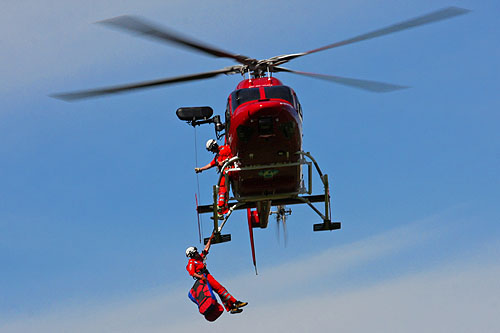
<point x="281" y="213"/>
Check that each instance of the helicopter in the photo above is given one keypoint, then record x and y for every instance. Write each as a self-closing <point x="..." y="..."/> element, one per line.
<point x="262" y="125"/>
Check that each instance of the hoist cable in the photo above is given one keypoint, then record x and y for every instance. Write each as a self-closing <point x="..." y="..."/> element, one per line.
<point x="200" y="219"/>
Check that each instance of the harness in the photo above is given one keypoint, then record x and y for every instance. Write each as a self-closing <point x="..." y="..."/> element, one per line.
<point x="202" y="271"/>
<point x="216" y="159"/>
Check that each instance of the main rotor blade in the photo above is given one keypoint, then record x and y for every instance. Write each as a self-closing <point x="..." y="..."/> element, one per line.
<point x="436" y="16"/>
<point x="373" y="86"/>
<point x="71" y="96"/>
<point x="139" y="26"/>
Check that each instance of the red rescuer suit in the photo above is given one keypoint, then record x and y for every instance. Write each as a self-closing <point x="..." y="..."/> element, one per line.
<point x="223" y="154"/>
<point x="198" y="267"/>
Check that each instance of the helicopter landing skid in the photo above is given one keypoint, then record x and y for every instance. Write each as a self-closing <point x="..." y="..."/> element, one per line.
<point x="326" y="225"/>
<point x="304" y="196"/>
<point x="218" y="238"/>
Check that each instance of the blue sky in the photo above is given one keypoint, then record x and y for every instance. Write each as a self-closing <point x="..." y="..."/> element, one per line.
<point x="97" y="197"/>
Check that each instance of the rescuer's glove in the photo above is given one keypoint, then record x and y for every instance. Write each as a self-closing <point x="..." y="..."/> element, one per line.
<point x="197" y="170"/>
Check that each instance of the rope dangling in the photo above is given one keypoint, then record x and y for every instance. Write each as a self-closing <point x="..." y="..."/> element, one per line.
<point x="200" y="219"/>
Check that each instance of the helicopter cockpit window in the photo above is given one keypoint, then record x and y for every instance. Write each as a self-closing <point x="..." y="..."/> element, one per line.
<point x="241" y="96"/>
<point x="279" y="92"/>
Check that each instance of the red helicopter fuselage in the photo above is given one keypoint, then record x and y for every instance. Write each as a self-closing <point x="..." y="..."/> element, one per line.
<point x="264" y="130"/>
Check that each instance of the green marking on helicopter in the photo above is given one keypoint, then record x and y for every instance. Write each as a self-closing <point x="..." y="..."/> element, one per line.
<point x="268" y="173"/>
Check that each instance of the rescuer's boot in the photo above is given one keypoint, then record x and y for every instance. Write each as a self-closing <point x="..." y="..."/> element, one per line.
<point x="222" y="208"/>
<point x="236" y="310"/>
<point x="239" y="304"/>
<point x="220" y="214"/>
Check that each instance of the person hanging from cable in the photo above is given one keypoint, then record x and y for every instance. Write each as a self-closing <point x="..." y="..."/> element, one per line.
<point x="222" y="154"/>
<point x="198" y="270"/>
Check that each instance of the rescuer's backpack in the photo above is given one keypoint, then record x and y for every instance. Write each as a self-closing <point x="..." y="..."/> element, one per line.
<point x="202" y="295"/>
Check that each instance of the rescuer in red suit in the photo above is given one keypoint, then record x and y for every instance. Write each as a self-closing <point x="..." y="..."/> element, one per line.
<point x="197" y="269"/>
<point x="222" y="154"/>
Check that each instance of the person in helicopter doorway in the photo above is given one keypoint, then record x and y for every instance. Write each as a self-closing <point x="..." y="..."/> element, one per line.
<point x="198" y="270"/>
<point x="222" y="154"/>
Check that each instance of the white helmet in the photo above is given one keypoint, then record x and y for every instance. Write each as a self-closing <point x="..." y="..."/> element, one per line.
<point x="211" y="144"/>
<point x="190" y="251"/>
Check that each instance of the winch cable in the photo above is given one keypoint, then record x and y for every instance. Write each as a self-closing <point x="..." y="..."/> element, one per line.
<point x="197" y="195"/>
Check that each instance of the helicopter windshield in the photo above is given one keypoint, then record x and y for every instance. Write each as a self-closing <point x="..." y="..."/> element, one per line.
<point x="279" y="92"/>
<point x="241" y="96"/>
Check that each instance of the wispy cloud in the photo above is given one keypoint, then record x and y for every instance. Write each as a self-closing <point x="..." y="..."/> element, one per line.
<point x="334" y="261"/>
<point x="458" y="296"/>
<point x="455" y="299"/>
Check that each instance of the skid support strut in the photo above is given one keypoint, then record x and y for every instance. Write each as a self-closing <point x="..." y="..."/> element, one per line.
<point x="218" y="237"/>
<point x="327" y="222"/>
